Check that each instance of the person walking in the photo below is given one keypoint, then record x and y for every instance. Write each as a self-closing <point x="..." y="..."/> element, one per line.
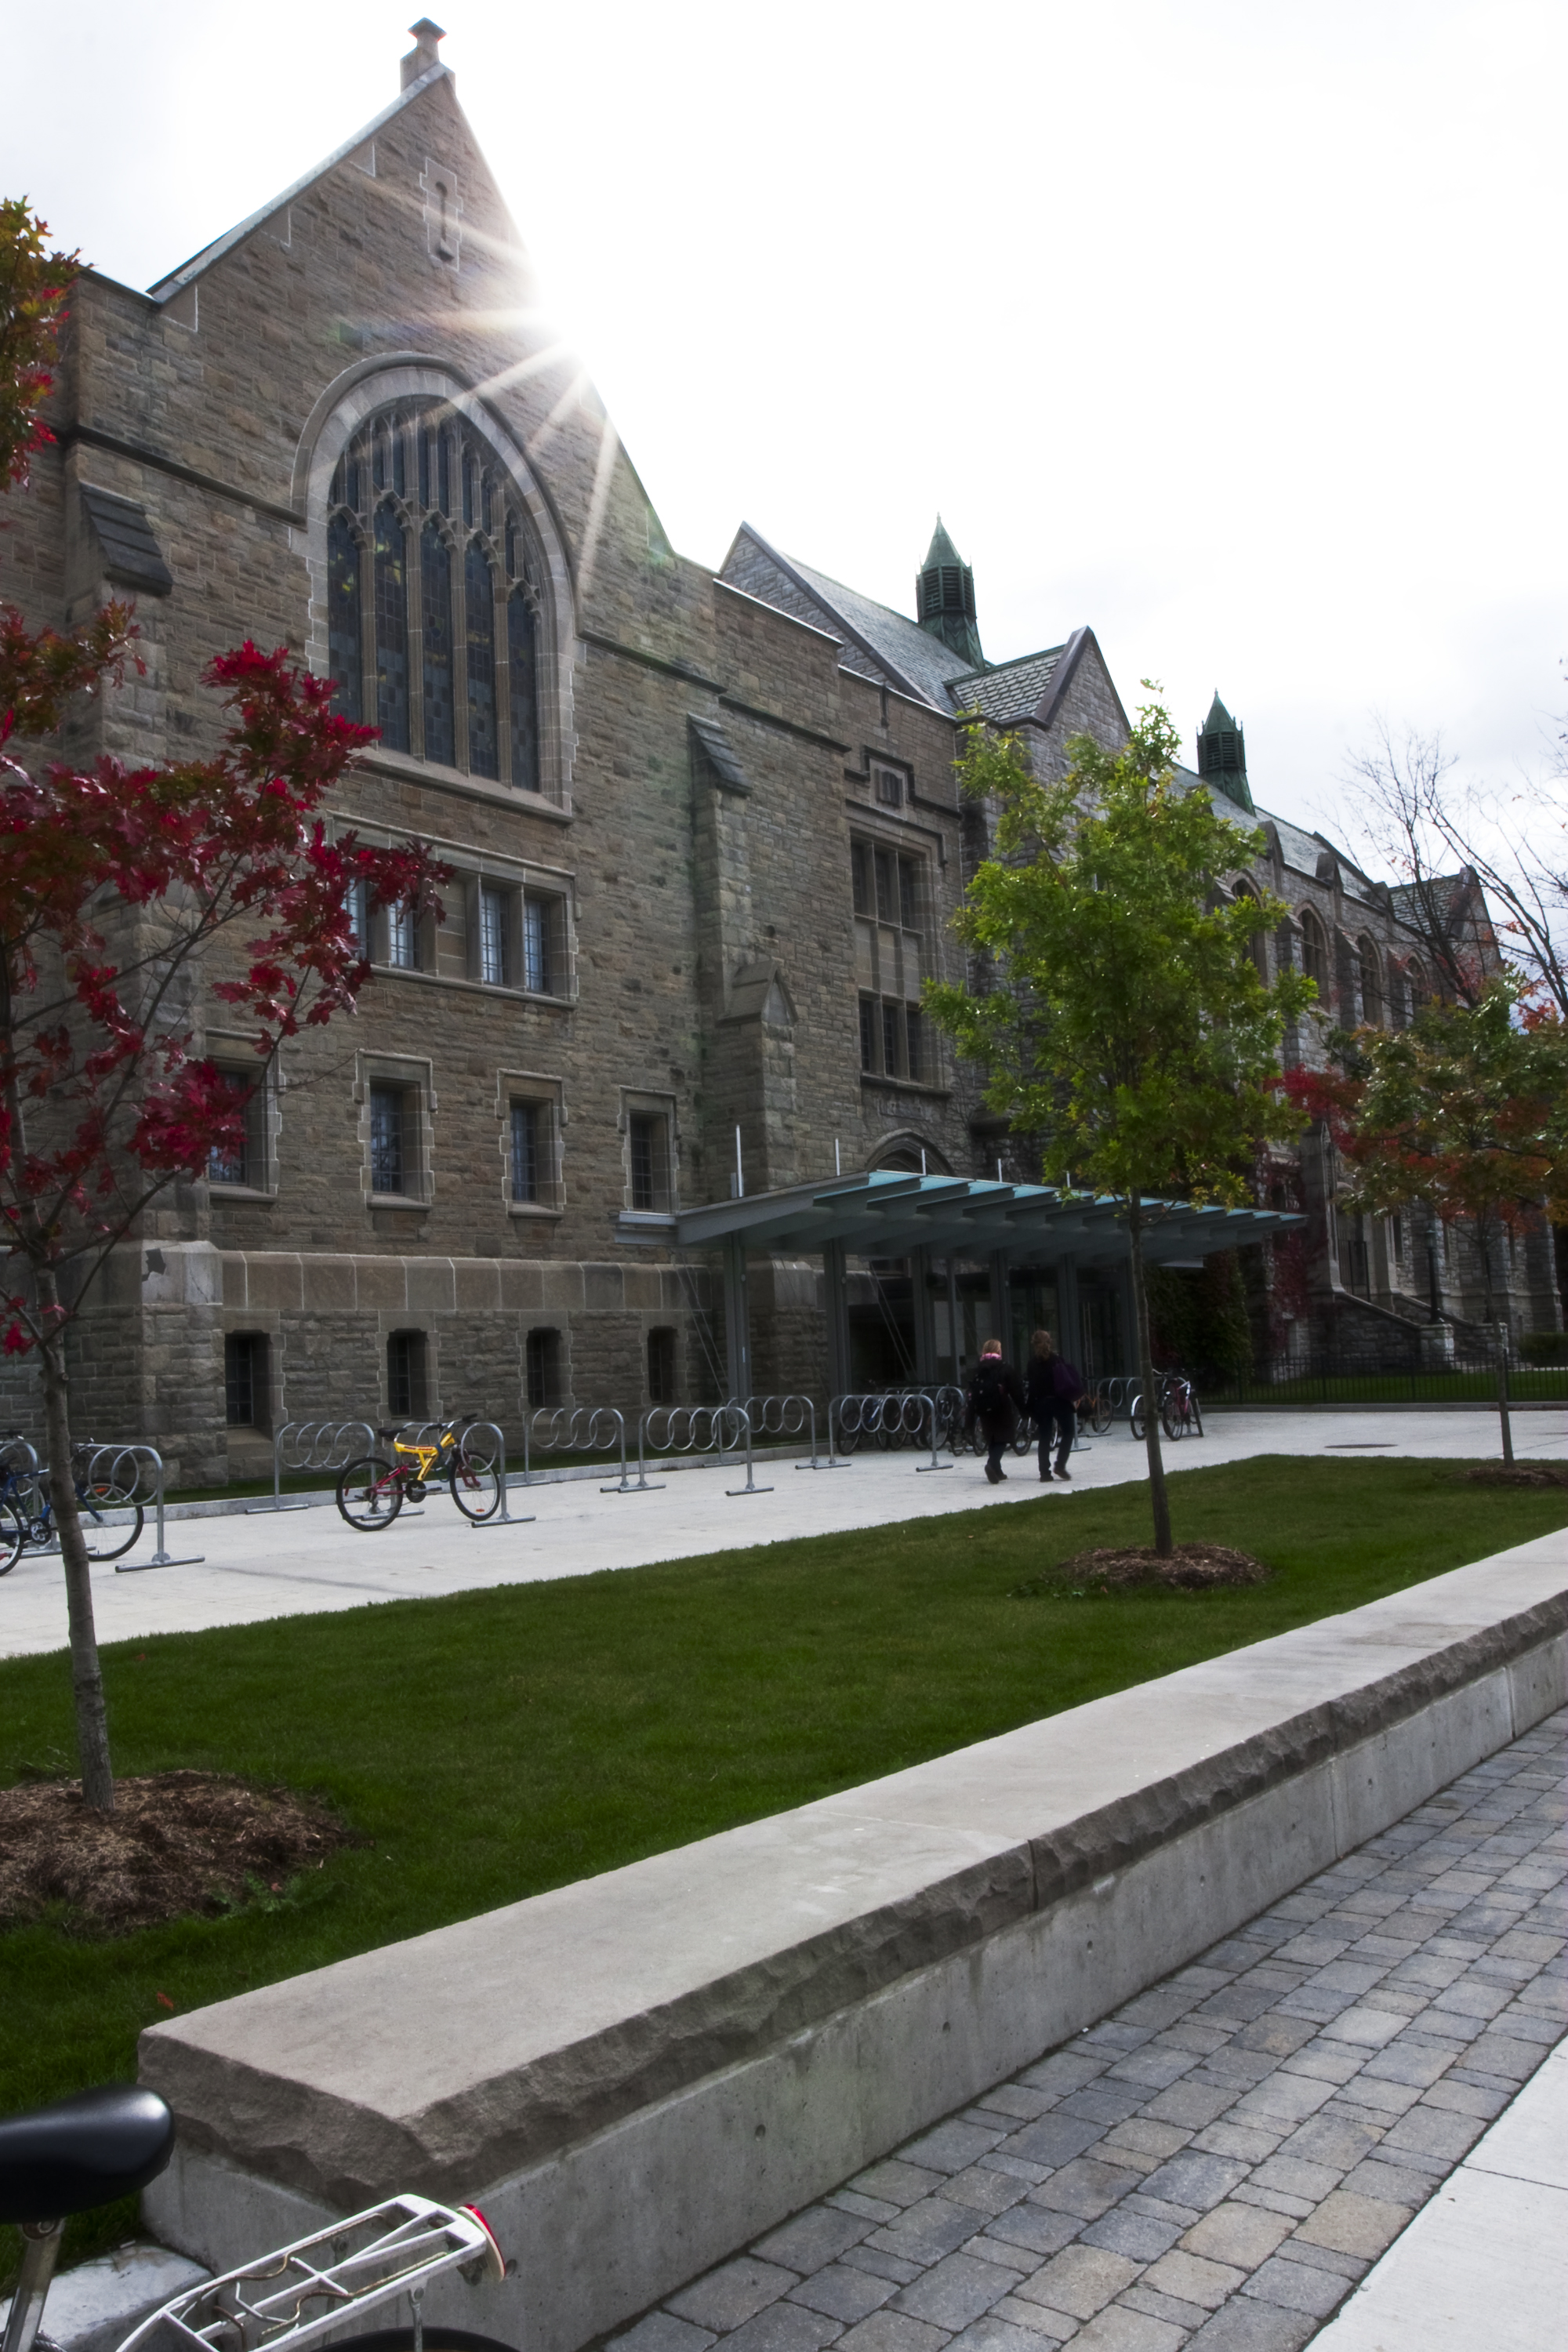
<point x="995" y="1399"/>
<point x="1054" y="1390"/>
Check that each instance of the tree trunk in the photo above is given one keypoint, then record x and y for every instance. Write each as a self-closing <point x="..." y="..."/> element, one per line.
<point x="1498" y="1327"/>
<point x="87" y="1679"/>
<point x="1159" y="1500"/>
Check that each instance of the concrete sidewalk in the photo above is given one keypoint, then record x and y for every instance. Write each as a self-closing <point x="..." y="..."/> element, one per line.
<point x="302" y="1562"/>
<point x="1486" y="2262"/>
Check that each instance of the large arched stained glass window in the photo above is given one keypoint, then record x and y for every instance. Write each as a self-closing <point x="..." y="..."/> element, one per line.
<point x="345" y="653"/>
<point x="435" y="614"/>
<point x="480" y="598"/>
<point x="421" y="506"/>
<point x="524" y="661"/>
<point x="391" y="630"/>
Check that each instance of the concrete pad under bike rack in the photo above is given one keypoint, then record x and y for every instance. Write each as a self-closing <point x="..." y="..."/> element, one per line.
<point x="637" y="2075"/>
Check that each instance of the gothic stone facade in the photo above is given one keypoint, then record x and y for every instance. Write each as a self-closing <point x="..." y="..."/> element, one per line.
<point x="703" y="828"/>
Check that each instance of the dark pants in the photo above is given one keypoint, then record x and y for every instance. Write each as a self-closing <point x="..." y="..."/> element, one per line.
<point x="998" y="1437"/>
<point x="1058" y="1416"/>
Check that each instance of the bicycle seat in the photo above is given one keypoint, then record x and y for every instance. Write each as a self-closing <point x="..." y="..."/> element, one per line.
<point x="81" y="2152"/>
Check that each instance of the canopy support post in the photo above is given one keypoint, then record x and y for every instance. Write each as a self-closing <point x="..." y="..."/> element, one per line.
<point x="924" y="1319"/>
<point x="737" y="1320"/>
<point x="999" y="1316"/>
<point x="835" y="1303"/>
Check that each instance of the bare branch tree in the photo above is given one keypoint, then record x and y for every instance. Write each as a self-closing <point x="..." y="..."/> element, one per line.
<point x="1482" y="870"/>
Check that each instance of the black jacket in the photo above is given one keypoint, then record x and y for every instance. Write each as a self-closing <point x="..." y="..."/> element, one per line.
<point x="996" y="1393"/>
<point x="1051" y="1380"/>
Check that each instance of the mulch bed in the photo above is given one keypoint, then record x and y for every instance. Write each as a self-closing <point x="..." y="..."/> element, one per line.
<point x="1194" y="1567"/>
<point x="176" y="1843"/>
<point x="1519" y="1473"/>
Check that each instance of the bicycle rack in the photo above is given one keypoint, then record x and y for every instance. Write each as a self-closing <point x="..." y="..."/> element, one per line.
<point x="504" y="1516"/>
<point x="895" y="1414"/>
<point x="579" y="1429"/>
<point x="788" y="1416"/>
<point x="705" y="1426"/>
<point x="311" y="1445"/>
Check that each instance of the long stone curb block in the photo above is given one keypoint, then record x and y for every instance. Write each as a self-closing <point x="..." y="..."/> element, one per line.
<point x="626" y="2155"/>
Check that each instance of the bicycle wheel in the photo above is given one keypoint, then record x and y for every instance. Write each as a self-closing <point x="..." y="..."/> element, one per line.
<point x="1135" y="1418"/>
<point x="1171" y="1420"/>
<point x="13" y="1535"/>
<point x="370" y="1494"/>
<point x="104" y="1542"/>
<point x="476" y="1485"/>
<point x="1194" y="1418"/>
<point x="1023" y="1437"/>
<point x="1099" y="1416"/>
<point x="439" y="2337"/>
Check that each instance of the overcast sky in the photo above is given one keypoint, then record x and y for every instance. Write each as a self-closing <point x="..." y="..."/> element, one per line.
<point x="1235" y="331"/>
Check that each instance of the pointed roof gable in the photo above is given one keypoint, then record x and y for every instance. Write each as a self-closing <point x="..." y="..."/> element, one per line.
<point x="900" y="651"/>
<point x="177" y="279"/>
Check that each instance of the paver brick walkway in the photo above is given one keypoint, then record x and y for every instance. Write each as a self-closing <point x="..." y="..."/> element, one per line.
<point x="1219" y="2162"/>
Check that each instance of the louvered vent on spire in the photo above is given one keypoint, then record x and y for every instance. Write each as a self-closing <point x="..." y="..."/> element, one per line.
<point x="944" y="598"/>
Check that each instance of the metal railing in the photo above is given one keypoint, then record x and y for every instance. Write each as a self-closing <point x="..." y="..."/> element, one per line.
<point x="890" y="1417"/>
<point x="715" y="1429"/>
<point x="305" y="1445"/>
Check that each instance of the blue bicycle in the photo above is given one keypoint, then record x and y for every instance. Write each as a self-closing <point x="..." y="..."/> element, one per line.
<point x="26" y="1513"/>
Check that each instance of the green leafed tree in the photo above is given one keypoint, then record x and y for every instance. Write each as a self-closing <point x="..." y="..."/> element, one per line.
<point x="1127" y="1023"/>
<point x="1465" y="1110"/>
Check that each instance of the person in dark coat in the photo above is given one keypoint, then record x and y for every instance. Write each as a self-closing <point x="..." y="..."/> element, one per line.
<point x="1054" y="1390"/>
<point x="995" y="1399"/>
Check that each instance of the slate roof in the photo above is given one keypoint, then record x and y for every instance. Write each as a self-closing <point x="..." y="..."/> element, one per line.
<point x="1009" y="691"/>
<point x="131" y="555"/>
<point x="910" y="652"/>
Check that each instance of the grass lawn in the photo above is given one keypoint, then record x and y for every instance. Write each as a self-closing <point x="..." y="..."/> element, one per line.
<point x="495" y="1744"/>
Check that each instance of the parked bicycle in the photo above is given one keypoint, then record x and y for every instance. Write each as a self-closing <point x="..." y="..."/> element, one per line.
<point x="101" y="2144"/>
<point x="1178" y="1406"/>
<point x="373" y="1490"/>
<point x="27" y="1511"/>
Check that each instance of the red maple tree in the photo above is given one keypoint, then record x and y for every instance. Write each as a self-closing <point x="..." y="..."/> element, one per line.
<point x="124" y="895"/>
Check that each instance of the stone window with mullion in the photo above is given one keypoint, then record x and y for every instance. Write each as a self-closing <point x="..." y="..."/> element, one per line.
<point x="434" y="607"/>
<point x="889" y="894"/>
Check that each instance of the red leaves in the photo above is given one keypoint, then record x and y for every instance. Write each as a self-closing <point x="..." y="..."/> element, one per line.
<point x="123" y="892"/>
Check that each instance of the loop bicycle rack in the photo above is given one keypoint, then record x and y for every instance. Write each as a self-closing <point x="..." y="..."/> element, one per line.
<point x="704" y="1427"/>
<point x="788" y="1416"/>
<point x="894" y="1415"/>
<point x="578" y="1429"/>
<point x="313" y="1445"/>
<point x="427" y="1432"/>
<point x="138" y="1468"/>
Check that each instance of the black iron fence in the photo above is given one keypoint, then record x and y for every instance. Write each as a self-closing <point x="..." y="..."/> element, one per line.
<point x="1327" y="1377"/>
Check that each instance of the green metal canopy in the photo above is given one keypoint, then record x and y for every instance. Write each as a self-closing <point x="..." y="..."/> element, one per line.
<point x="887" y="1214"/>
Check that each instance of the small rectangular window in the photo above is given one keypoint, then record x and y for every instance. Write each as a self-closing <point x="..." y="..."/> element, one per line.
<point x="914" y="1031"/>
<point x="541" y="1356"/>
<point x="649" y="1134"/>
<point x="887" y="887"/>
<point x="403" y="939"/>
<point x="530" y="1150"/>
<point x="860" y="869"/>
<point x="494" y="960"/>
<point x="406" y="1384"/>
<point x="909" y="893"/>
<point x="244" y="1162"/>
<point x="357" y="905"/>
<point x="391" y="1153"/>
<point x="661" y="1367"/>
<point x="245" y="1379"/>
<point x="890" y="787"/>
<point x="890" y="1024"/>
<point x="867" y="1033"/>
<point x="543" y="959"/>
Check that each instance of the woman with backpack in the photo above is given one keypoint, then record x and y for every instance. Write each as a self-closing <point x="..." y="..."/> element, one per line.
<point x="995" y="1399"/>
<point x="1054" y="1390"/>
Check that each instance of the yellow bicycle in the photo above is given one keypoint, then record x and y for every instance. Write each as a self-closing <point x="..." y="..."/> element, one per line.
<point x="373" y="1490"/>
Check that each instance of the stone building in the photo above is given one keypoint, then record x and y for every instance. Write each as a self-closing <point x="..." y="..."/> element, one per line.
<point x="704" y="828"/>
